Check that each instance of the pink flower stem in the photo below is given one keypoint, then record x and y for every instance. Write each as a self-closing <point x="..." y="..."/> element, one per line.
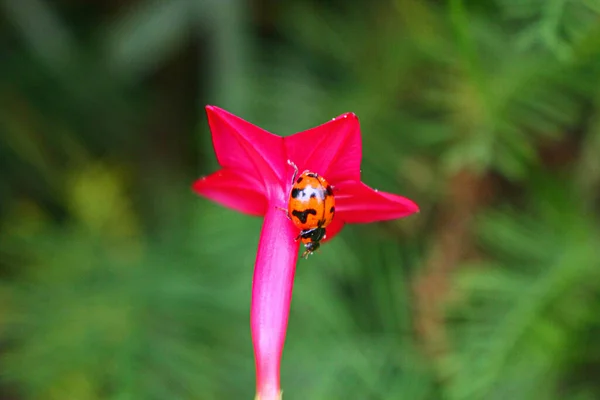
<point x="271" y="297"/>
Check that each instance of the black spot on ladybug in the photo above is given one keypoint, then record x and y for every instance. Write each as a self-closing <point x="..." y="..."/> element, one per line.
<point x="312" y="175"/>
<point x="329" y="190"/>
<point x="295" y="192"/>
<point x="299" y="180"/>
<point x="303" y="215"/>
<point x="332" y="209"/>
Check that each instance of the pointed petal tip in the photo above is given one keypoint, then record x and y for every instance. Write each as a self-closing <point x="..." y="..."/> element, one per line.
<point x="411" y="206"/>
<point x="332" y="149"/>
<point x="217" y="111"/>
<point x="358" y="203"/>
<point x="403" y="204"/>
<point x="347" y="115"/>
<point x="243" y="146"/>
<point x="197" y="184"/>
<point x="210" y="109"/>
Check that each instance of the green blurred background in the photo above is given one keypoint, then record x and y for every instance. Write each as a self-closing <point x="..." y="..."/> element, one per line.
<point x="117" y="282"/>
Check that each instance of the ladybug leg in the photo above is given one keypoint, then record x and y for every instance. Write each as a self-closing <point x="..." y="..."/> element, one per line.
<point x="291" y="163"/>
<point x="285" y="211"/>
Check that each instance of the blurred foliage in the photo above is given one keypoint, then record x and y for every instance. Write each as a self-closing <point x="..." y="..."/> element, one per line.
<point x="119" y="283"/>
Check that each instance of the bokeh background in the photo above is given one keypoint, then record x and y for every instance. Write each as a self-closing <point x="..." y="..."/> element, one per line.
<point x="117" y="282"/>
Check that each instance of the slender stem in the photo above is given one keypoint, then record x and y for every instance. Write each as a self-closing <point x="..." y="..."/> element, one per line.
<point x="271" y="297"/>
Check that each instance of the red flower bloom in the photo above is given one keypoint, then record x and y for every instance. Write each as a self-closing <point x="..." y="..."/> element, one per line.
<point x="256" y="179"/>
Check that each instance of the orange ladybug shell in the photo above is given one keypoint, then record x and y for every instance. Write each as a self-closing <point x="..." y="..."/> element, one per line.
<point x="311" y="204"/>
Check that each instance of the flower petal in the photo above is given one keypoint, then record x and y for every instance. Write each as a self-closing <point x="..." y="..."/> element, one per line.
<point x="234" y="189"/>
<point x="271" y="297"/>
<point x="241" y="145"/>
<point x="356" y="202"/>
<point x="333" y="228"/>
<point x="333" y="149"/>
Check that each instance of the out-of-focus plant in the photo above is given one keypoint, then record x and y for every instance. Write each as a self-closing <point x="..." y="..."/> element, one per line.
<point x="114" y="283"/>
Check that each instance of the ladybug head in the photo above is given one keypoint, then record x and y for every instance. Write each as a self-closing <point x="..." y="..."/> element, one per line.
<point x="312" y="240"/>
<point x="310" y="248"/>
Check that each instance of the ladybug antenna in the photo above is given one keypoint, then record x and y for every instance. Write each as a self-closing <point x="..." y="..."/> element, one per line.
<point x="291" y="163"/>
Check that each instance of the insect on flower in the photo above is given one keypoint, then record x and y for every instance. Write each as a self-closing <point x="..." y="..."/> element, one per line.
<point x="254" y="180"/>
<point x="311" y="207"/>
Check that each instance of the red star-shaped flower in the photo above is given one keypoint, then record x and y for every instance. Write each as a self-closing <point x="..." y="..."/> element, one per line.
<point x="256" y="179"/>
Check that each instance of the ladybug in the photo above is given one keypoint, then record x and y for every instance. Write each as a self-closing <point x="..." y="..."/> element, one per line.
<point x="311" y="207"/>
